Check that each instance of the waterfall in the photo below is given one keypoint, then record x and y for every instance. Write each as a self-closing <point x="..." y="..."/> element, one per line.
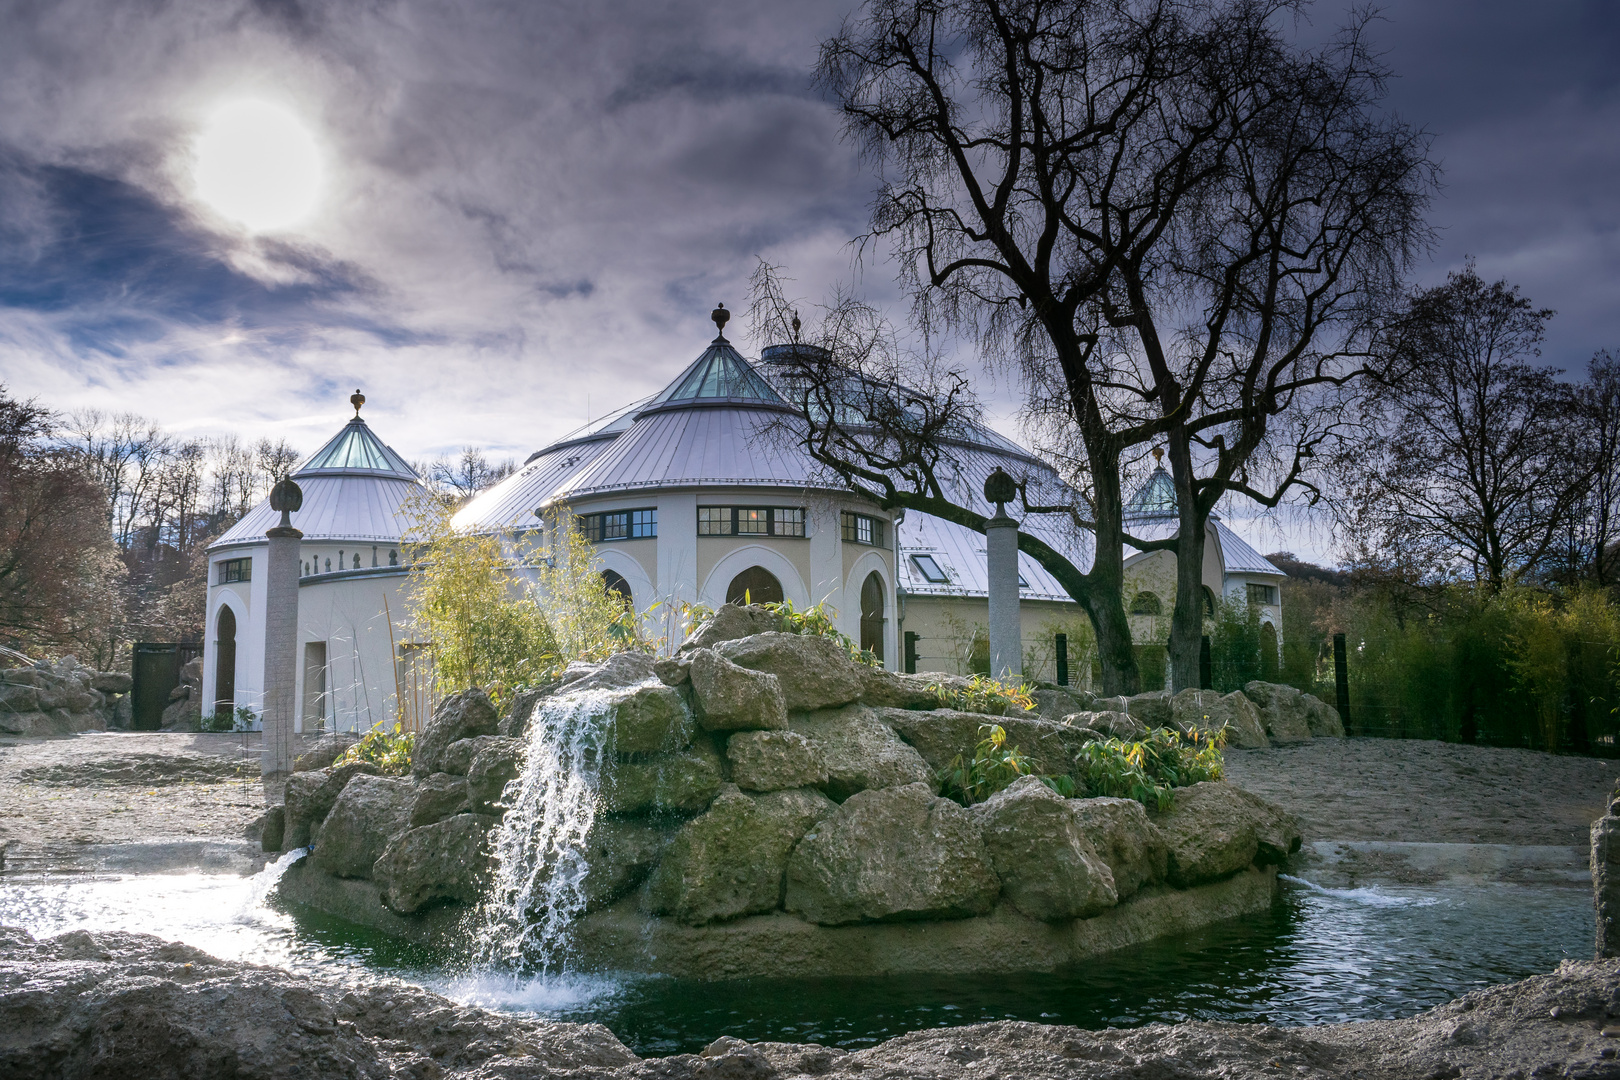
<point x="538" y="889"/>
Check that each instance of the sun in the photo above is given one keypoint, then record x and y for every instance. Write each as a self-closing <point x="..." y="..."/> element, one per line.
<point x="257" y="164"/>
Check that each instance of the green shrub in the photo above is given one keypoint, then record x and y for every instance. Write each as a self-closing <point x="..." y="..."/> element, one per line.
<point x="1150" y="769"/>
<point x="242" y="719"/>
<point x="992" y="768"/>
<point x="984" y="695"/>
<point x="389" y="750"/>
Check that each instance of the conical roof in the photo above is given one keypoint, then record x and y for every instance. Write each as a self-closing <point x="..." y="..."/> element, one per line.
<point x="720" y="375"/>
<point x="355" y="451"/>
<point x="1156" y="498"/>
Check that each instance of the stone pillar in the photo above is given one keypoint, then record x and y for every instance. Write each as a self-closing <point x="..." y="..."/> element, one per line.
<point x="281" y="634"/>
<point x="1001" y="558"/>
<point x="1606" y="878"/>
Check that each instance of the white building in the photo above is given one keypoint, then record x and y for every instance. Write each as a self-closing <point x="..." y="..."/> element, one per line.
<point x="698" y="493"/>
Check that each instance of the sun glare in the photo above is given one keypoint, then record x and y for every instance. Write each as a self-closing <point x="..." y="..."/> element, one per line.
<point x="257" y="164"/>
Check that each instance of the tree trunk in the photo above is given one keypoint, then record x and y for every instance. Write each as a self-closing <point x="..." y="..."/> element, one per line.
<point x="1187" y="619"/>
<point x="1105" y="602"/>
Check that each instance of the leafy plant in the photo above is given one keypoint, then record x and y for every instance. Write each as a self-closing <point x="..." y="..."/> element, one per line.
<point x="242" y="719"/>
<point x="992" y="768"/>
<point x="1150" y="769"/>
<point x="983" y="694"/>
<point x="388" y="749"/>
<point x="815" y="622"/>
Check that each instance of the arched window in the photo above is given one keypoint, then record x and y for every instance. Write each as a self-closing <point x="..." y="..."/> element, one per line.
<point x="614" y="583"/>
<point x="872" y="614"/>
<point x="1209" y="602"/>
<point x="1270" y="662"/>
<point x="225" y="662"/>
<point x="1146" y="603"/>
<point x="755" y="585"/>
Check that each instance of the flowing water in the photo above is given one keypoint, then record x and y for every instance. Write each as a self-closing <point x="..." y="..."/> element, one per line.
<point x="540" y="852"/>
<point x="1318" y="956"/>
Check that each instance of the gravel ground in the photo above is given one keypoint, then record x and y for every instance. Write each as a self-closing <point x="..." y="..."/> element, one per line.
<point x="1414" y="790"/>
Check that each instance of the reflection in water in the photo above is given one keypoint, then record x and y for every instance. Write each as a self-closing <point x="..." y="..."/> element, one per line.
<point x="1318" y="956"/>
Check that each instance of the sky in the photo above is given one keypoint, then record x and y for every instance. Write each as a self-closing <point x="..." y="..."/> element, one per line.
<point x="529" y="208"/>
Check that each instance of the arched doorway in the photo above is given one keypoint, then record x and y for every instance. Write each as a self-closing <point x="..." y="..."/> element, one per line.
<point x="1268" y="653"/>
<point x="225" y="663"/>
<point x="872" y="614"/>
<point x="755" y="585"/>
<point x="614" y="582"/>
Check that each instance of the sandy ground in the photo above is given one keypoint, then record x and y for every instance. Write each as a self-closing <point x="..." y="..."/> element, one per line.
<point x="1413" y="790"/>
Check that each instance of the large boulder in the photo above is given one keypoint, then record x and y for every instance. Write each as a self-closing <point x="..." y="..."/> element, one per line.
<point x="1282" y="711"/>
<point x="646" y="718"/>
<point x="620" y="854"/>
<point x="685" y="782"/>
<point x="1233" y="713"/>
<point x="448" y="860"/>
<point x="309" y="796"/>
<point x="729" y="697"/>
<point x="775" y="761"/>
<point x="112" y="682"/>
<point x="1214" y="829"/>
<point x="893" y="854"/>
<point x="183" y="715"/>
<point x="1056" y="702"/>
<point x="618" y="671"/>
<point x="1133" y="847"/>
<point x="438" y="796"/>
<point x="730" y="861"/>
<point x="940" y="735"/>
<point x="1152" y="709"/>
<point x="18" y="699"/>
<point x="520" y="710"/>
<point x="324" y="751"/>
<point x="891" y="690"/>
<point x="1047" y="866"/>
<point x="861" y="751"/>
<point x="1323" y="719"/>
<point x="462" y="715"/>
<point x="368" y="814"/>
<point x="498" y="762"/>
<point x="272" y="828"/>
<point x="458" y="756"/>
<point x="733" y="621"/>
<point x="814" y="672"/>
<point x="1108" y="724"/>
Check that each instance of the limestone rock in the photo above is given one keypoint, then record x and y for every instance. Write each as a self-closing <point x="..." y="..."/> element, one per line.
<point x="438" y="796"/>
<point x="309" y="797"/>
<point x="615" y="673"/>
<point x="1047" y="866"/>
<point x="112" y="682"/>
<point x="272" y="828"/>
<point x="183" y="715"/>
<point x="1605" y="863"/>
<point x="728" y="697"/>
<point x="458" y="757"/>
<point x="462" y="715"/>
<point x="520" y="710"/>
<point x="18" y="699"/>
<point x="31" y="723"/>
<point x="861" y="752"/>
<point x="324" y="751"/>
<point x="1056" y="702"/>
<point x="498" y="762"/>
<point x="673" y="670"/>
<point x="893" y="854"/>
<point x="1209" y="710"/>
<point x="891" y="690"/>
<point x="775" y="761"/>
<point x="448" y="860"/>
<point x="814" y="672"/>
<point x="683" y="783"/>
<point x="1109" y="725"/>
<point x="1131" y="845"/>
<point x="732" y="621"/>
<point x="939" y="736"/>
<point x="1323" y="719"/>
<point x="1152" y="709"/>
<point x="1214" y="829"/>
<point x="729" y="861"/>
<point x="1282" y="711"/>
<point x="369" y="812"/>
<point x="620" y="855"/>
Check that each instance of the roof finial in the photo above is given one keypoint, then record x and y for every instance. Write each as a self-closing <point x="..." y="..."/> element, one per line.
<point x="795" y="326"/>
<point x="357" y="399"/>
<point x="1158" y="457"/>
<point x="720" y="316"/>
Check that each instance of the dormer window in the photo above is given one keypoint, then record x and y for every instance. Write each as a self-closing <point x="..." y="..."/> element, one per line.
<point x="930" y="570"/>
<point x="863" y="529"/>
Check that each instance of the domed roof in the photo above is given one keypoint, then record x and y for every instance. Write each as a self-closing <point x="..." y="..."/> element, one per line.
<point x="355" y="488"/>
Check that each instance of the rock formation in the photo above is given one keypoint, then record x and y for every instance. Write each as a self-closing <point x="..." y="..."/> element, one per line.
<point x="63" y="698"/>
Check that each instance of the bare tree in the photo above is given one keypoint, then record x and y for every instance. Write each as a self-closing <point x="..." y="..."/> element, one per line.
<point x="1470" y="450"/>
<point x="1174" y="224"/>
<point x="1596" y="521"/>
<point x="460" y="479"/>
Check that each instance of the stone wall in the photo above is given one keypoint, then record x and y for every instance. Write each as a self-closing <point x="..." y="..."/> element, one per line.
<point x="62" y="698"/>
<point x="770" y="802"/>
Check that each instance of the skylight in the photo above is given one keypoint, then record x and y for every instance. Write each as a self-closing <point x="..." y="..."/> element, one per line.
<point x="929" y="569"/>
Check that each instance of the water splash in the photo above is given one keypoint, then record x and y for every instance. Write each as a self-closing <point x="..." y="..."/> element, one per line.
<point x="262" y="884"/>
<point x="540" y="847"/>
<point x="1370" y="896"/>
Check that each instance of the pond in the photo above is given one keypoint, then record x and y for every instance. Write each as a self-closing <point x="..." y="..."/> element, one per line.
<point x="1317" y="956"/>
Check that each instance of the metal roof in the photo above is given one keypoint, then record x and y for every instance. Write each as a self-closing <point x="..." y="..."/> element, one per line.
<point x="1240" y="557"/>
<point x="511" y="503"/>
<point x="719" y="375"/>
<point x="959" y="552"/>
<point x="357" y="508"/>
<point x="355" y="450"/>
